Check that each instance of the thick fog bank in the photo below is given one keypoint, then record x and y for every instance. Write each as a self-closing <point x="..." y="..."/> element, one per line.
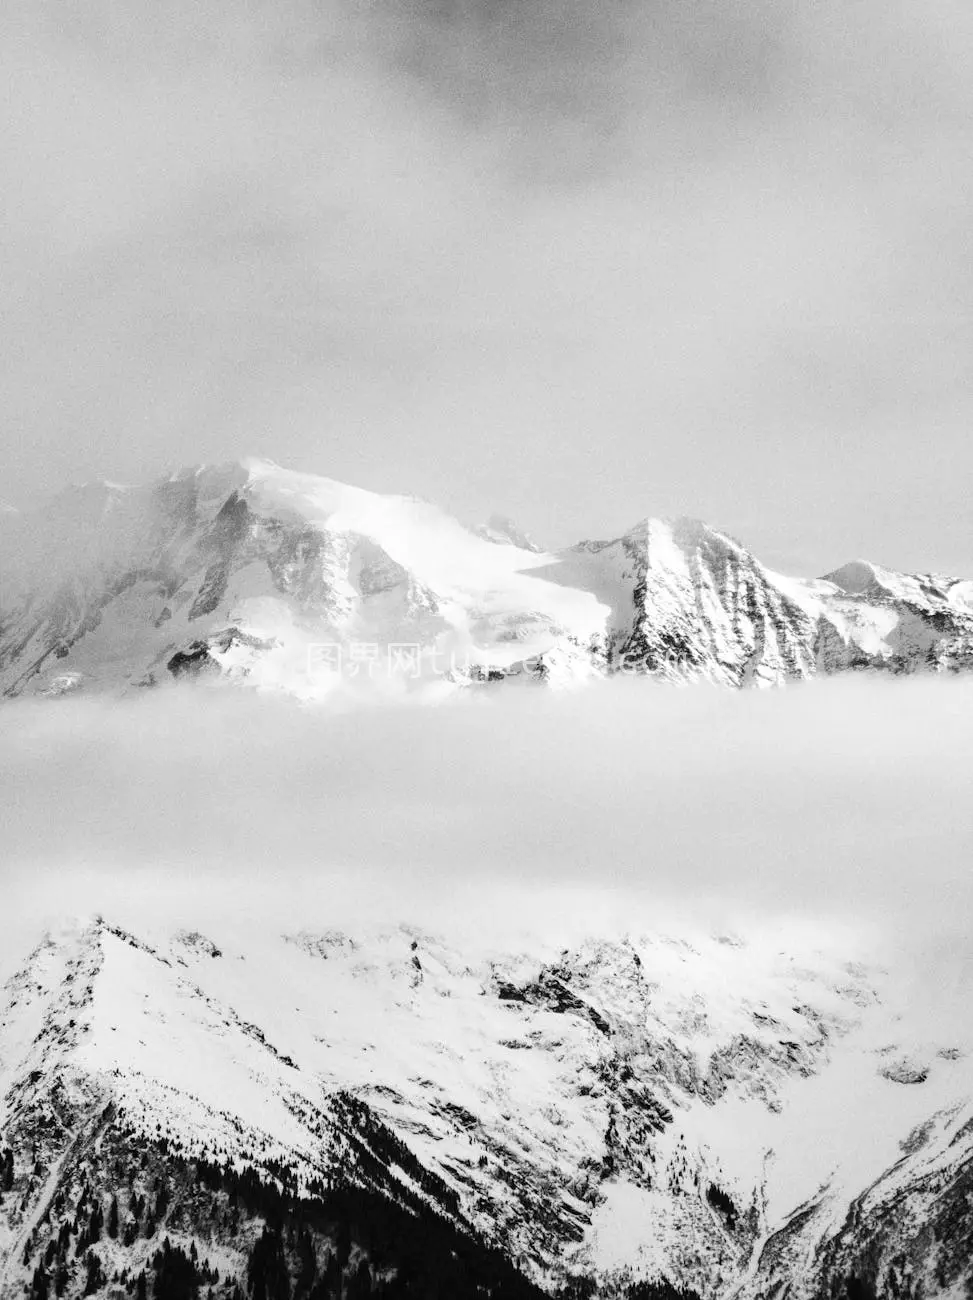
<point x="832" y="808"/>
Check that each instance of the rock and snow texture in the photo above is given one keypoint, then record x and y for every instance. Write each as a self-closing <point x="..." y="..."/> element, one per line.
<point x="299" y="583"/>
<point x="704" y="1109"/>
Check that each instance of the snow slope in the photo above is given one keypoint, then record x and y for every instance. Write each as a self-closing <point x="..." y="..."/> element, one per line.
<point x="299" y="583"/>
<point x="708" y="1109"/>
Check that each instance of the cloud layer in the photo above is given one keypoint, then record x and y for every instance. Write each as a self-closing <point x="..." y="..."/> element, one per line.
<point x="708" y="258"/>
<point x="840" y="807"/>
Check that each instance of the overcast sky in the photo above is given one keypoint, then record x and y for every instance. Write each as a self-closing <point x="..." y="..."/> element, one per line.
<point x="581" y="261"/>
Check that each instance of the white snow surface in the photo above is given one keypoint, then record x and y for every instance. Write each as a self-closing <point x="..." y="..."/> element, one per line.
<point x="233" y="1042"/>
<point x="258" y="565"/>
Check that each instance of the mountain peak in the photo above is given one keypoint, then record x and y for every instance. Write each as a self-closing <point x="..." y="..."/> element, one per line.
<point x="501" y="529"/>
<point x="856" y="577"/>
<point x="241" y="568"/>
<point x="577" y="1108"/>
<point x="680" y="535"/>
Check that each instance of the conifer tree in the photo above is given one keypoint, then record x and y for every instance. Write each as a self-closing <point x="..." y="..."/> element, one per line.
<point x="96" y="1278"/>
<point x="39" y="1287"/>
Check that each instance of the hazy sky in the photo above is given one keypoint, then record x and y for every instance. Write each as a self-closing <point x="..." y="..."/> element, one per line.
<point x="579" y="260"/>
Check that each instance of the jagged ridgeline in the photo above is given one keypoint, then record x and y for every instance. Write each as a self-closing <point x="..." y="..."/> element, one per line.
<point x="391" y="1113"/>
<point x="262" y="575"/>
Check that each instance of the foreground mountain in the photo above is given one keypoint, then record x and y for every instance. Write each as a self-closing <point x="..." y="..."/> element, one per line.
<point x="299" y="583"/>
<point x="387" y="1112"/>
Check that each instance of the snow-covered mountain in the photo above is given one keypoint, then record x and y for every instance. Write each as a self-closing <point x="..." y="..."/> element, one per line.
<point x="299" y="583"/>
<point x="258" y="1110"/>
<point x="385" y="1111"/>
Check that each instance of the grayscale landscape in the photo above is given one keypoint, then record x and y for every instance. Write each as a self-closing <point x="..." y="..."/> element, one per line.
<point x="486" y="651"/>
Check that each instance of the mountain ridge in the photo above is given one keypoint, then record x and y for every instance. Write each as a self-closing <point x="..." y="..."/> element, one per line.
<point x="571" y="1114"/>
<point x="243" y="569"/>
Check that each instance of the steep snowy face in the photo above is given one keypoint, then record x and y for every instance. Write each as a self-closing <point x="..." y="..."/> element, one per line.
<point x="704" y="1109"/>
<point x="299" y="583"/>
<point x="907" y="1232"/>
<point x="690" y="601"/>
<point x="291" y="580"/>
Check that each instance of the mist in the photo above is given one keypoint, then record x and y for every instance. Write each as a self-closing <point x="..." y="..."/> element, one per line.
<point x="657" y="258"/>
<point x="834" y="809"/>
